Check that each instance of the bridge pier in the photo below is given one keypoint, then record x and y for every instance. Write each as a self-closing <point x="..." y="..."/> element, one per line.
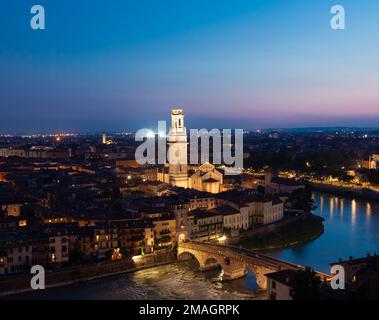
<point x="260" y="274"/>
<point x="261" y="280"/>
<point x="233" y="271"/>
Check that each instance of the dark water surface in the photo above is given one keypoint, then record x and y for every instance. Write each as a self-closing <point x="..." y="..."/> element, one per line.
<point x="351" y="229"/>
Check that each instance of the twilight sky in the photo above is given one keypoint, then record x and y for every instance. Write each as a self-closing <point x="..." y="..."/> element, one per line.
<point x="122" y="64"/>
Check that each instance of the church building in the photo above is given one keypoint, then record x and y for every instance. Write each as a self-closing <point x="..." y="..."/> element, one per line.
<point x="177" y="172"/>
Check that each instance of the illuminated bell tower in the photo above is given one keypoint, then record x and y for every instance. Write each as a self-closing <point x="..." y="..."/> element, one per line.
<point x="104" y="138"/>
<point x="177" y="154"/>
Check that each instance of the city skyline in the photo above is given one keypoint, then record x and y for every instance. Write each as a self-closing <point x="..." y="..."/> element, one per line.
<point x="174" y="150"/>
<point x="246" y="64"/>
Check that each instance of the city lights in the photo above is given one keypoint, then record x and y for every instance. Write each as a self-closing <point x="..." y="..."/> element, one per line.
<point x="137" y="258"/>
<point x="221" y="150"/>
<point x="222" y="239"/>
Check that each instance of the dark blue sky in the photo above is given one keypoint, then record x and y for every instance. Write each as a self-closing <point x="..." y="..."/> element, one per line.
<point x="122" y="64"/>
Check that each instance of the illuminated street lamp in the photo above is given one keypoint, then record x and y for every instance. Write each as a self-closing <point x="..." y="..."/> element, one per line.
<point x="137" y="258"/>
<point x="222" y="239"/>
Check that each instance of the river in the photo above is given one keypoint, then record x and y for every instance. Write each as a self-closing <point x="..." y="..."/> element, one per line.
<point x="351" y="229"/>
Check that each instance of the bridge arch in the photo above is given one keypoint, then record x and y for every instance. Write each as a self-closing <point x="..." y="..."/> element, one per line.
<point x="232" y="268"/>
<point x="186" y="254"/>
<point x="212" y="260"/>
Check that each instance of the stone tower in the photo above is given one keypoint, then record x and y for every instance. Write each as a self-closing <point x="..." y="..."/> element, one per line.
<point x="103" y="138"/>
<point x="177" y="154"/>
<point x="268" y="179"/>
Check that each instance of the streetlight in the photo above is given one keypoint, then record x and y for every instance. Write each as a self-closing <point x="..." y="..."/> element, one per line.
<point x="222" y="239"/>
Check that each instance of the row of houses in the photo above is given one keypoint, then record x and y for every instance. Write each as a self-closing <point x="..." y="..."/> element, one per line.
<point x="233" y="215"/>
<point x="146" y="226"/>
<point x="44" y="153"/>
<point x="60" y="244"/>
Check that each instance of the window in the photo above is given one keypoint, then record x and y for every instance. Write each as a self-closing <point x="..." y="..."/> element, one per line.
<point x="273" y="285"/>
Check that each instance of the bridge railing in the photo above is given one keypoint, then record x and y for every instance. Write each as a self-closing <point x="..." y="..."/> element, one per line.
<point x="248" y="252"/>
<point x="240" y="253"/>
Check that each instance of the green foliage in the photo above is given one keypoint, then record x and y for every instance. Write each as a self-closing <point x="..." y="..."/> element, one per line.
<point x="296" y="232"/>
<point x="142" y="248"/>
<point x="301" y="199"/>
<point x="322" y="161"/>
<point x="76" y="256"/>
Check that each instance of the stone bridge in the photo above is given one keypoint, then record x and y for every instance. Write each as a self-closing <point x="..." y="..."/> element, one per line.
<point x="235" y="261"/>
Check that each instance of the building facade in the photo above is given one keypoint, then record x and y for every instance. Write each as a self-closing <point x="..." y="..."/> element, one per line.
<point x="176" y="172"/>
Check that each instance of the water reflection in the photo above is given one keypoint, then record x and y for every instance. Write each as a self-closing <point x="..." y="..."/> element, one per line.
<point x="331" y="205"/>
<point x="368" y="209"/>
<point x="353" y="232"/>
<point x="353" y="213"/>
<point x="368" y="214"/>
<point x="321" y="204"/>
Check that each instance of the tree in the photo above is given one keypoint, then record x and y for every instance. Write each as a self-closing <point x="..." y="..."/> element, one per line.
<point x="76" y="256"/>
<point x="306" y="285"/>
<point x="301" y="199"/>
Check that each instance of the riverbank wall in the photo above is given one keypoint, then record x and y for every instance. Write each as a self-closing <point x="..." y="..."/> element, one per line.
<point x="359" y="193"/>
<point x="14" y="284"/>
<point x="287" y="233"/>
<point x="263" y="230"/>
